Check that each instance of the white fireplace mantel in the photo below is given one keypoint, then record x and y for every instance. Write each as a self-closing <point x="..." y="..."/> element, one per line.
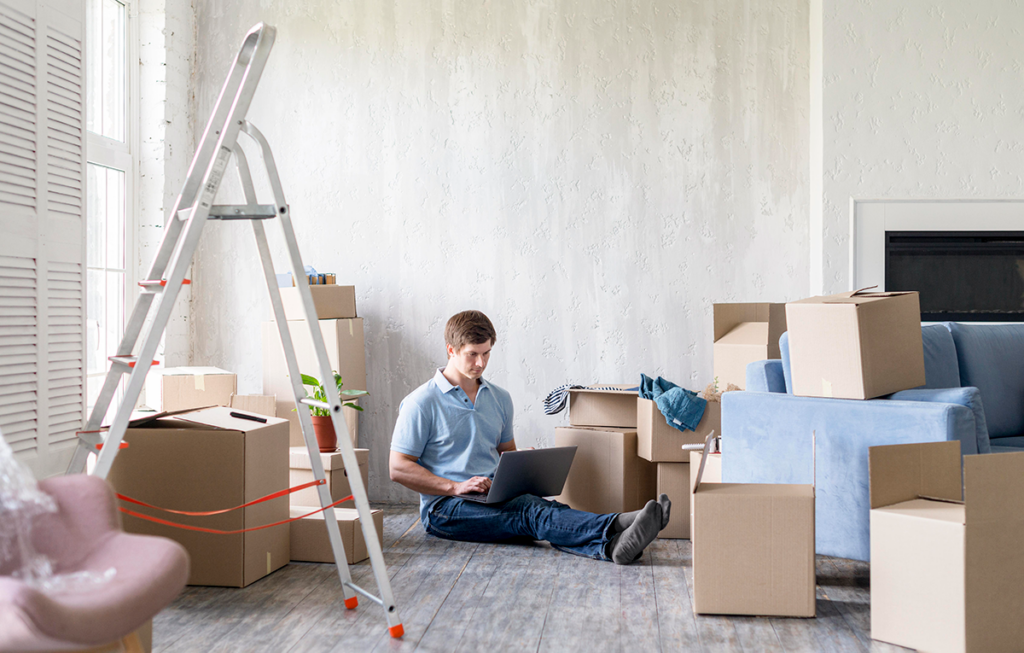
<point x="870" y="219"/>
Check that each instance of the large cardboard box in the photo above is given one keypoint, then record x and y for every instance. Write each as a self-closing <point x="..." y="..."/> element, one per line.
<point x="346" y="353"/>
<point x="309" y="541"/>
<point x="195" y="387"/>
<point x="331" y="302"/>
<point x="661" y="443"/>
<point x="674" y="480"/>
<point x="745" y="333"/>
<point x="712" y="474"/>
<point x="207" y="460"/>
<point x="603" y="408"/>
<point x="753" y="548"/>
<point x="946" y="574"/>
<point x="855" y="345"/>
<point x="301" y="471"/>
<point x="606" y="475"/>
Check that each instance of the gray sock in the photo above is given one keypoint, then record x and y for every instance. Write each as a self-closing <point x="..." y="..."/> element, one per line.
<point x="627" y="545"/>
<point x="624" y="521"/>
<point x="666" y="507"/>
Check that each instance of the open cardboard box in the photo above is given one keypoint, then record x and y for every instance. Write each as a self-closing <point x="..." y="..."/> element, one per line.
<point x="947" y="574"/>
<point x="753" y="547"/>
<point x="745" y="333"/>
<point x="659" y="442"/>
<point x="603" y="408"/>
<point x="855" y="345"/>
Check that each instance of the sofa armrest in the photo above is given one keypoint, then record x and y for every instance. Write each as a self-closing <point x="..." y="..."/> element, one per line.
<point x="765" y="376"/>
<point x="766" y="438"/>
<point x="969" y="397"/>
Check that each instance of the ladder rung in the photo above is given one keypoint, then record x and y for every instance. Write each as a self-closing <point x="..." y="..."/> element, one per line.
<point x="372" y="597"/>
<point x="127" y="361"/>
<point x="243" y="211"/>
<point x="314" y="403"/>
<point x="156" y="285"/>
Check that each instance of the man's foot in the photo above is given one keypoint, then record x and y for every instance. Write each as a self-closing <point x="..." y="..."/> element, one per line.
<point x="629" y="544"/>
<point x="666" y="507"/>
<point x="624" y="521"/>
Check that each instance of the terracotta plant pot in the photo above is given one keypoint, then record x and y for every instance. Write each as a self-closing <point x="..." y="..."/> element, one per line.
<point x="326" y="438"/>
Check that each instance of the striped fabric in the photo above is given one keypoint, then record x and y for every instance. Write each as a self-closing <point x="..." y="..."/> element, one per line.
<point x="558" y="399"/>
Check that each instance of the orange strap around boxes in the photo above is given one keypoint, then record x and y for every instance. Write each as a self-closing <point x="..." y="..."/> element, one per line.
<point x="241" y="530"/>
<point x="275" y="495"/>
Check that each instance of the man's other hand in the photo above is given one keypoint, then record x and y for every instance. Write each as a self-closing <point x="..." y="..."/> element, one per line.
<point x="475" y="485"/>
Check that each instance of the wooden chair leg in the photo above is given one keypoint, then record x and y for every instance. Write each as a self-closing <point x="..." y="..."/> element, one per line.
<point x="133" y="643"/>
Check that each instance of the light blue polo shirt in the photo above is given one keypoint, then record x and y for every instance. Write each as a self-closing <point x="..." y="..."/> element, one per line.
<point x="452" y="437"/>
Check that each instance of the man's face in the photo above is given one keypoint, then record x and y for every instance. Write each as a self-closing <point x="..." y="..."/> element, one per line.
<point x="471" y="360"/>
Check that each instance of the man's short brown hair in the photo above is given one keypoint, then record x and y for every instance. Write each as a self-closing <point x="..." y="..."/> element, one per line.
<point x="469" y="328"/>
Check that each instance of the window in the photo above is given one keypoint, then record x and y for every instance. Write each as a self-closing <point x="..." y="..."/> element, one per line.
<point x="110" y="182"/>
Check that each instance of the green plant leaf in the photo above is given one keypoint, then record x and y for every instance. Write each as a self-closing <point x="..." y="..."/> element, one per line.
<point x="354" y="393"/>
<point x="354" y="406"/>
<point x="309" y="380"/>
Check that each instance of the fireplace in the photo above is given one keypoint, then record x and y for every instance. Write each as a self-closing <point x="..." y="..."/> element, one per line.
<point x="973" y="276"/>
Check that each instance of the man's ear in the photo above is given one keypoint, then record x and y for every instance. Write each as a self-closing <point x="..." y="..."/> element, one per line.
<point x="451" y="350"/>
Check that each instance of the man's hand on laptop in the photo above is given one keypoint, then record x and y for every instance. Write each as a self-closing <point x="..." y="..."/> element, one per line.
<point x="475" y="485"/>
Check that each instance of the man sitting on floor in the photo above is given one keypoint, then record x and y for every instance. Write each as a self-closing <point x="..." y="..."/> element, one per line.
<point x="451" y="431"/>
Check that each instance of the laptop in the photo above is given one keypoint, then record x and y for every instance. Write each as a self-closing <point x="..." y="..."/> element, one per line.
<point x="540" y="472"/>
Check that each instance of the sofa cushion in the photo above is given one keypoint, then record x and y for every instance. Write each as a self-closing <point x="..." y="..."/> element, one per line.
<point x="990" y="359"/>
<point x="784" y="352"/>
<point x="941" y="369"/>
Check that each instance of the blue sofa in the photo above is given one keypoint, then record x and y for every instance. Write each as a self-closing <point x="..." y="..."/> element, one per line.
<point x="766" y="430"/>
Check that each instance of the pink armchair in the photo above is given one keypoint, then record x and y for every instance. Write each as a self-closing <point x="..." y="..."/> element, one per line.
<point x="85" y="535"/>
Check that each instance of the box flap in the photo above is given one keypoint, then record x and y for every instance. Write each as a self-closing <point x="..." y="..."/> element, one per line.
<point x="904" y="472"/>
<point x="727" y="316"/>
<point x="994" y="487"/>
<point x="861" y="297"/>
<point x="219" y="417"/>
<point x="149" y="419"/>
<point x="193" y="371"/>
<point x="746" y="333"/>
<point x="620" y="389"/>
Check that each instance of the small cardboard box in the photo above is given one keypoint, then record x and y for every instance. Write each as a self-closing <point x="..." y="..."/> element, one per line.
<point x="753" y="552"/>
<point x="603" y="408"/>
<point x="712" y="474"/>
<point x="674" y="480"/>
<point x="855" y="345"/>
<point x="606" y="475"/>
<point x="195" y="387"/>
<point x="346" y="353"/>
<point x="661" y="443"/>
<point x="309" y="541"/>
<point x="300" y="471"/>
<point x="207" y="460"/>
<point x="745" y="333"/>
<point x="946" y="574"/>
<point x="331" y="302"/>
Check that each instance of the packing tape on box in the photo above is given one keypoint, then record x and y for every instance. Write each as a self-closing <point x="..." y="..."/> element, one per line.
<point x="241" y="530"/>
<point x="275" y="495"/>
<point x="200" y="380"/>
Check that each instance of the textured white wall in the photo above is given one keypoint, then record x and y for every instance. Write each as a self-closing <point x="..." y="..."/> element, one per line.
<point x="920" y="100"/>
<point x="593" y="175"/>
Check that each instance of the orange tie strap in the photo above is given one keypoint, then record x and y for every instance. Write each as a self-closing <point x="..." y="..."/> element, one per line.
<point x="275" y="495"/>
<point x="217" y="532"/>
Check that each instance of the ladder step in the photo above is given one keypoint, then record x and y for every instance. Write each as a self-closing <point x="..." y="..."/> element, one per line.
<point x="156" y="285"/>
<point x="376" y="599"/>
<point x="314" y="403"/>
<point x="243" y="211"/>
<point x="127" y="361"/>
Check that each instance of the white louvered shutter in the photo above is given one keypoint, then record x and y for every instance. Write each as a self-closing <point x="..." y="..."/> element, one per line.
<point x="42" y="229"/>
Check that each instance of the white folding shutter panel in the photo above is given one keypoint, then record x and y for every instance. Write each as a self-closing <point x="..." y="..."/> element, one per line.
<point x="42" y="226"/>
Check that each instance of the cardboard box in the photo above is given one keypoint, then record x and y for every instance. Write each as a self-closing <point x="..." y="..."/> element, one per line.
<point x="606" y="475"/>
<point x="603" y="408"/>
<point x="712" y="474"/>
<point x="331" y="302"/>
<point x="300" y="471"/>
<point x="309" y="541"/>
<point x="745" y="333"/>
<point x="259" y="404"/>
<point x="346" y="353"/>
<point x="855" y="345"/>
<point x="946" y="574"/>
<point x="674" y="480"/>
<point x="207" y="460"/>
<point x="661" y="443"/>
<point x="753" y="552"/>
<point x="195" y="387"/>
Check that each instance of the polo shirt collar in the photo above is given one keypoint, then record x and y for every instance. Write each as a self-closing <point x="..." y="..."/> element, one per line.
<point x="445" y="387"/>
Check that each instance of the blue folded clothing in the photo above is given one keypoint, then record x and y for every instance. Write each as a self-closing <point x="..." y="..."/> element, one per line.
<point x="681" y="408"/>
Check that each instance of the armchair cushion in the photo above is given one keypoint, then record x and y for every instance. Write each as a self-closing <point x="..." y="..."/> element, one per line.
<point x="941" y="369"/>
<point x="786" y="371"/>
<point x="990" y="359"/>
<point x="765" y="376"/>
<point x="969" y="397"/>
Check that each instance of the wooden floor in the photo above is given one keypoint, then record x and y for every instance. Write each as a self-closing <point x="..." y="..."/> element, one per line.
<point x="485" y="597"/>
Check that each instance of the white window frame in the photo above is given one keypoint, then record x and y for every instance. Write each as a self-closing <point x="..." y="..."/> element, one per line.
<point x="111" y="153"/>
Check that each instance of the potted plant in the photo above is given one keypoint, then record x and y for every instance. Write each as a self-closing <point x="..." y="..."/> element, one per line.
<point x="323" y="427"/>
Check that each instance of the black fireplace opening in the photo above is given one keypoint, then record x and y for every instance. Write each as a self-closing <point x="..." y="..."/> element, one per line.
<point x="963" y="276"/>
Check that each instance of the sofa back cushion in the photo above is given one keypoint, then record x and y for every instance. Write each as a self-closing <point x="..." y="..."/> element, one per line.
<point x="992" y="359"/>
<point x="941" y="369"/>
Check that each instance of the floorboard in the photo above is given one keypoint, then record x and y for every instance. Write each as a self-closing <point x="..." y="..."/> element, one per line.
<point x="456" y="596"/>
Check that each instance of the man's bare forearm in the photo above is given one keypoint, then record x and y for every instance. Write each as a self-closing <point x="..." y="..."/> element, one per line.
<point x="415" y="477"/>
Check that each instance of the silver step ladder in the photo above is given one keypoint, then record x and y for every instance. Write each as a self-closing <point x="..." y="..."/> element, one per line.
<point x="194" y="207"/>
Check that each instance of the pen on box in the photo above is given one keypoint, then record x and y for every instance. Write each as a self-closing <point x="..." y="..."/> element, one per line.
<point x="261" y="420"/>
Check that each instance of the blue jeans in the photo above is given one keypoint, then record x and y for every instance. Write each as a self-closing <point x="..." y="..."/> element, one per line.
<point x="573" y="531"/>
